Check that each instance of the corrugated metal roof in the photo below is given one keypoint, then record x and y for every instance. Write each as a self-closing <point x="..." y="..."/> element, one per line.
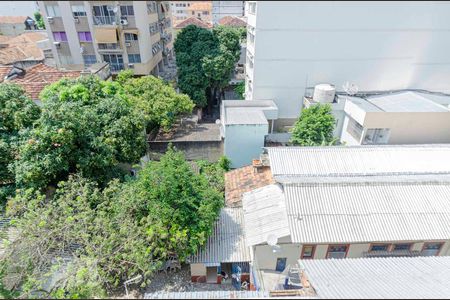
<point x="387" y="278"/>
<point x="406" y="101"/>
<point x="227" y="242"/>
<point x="207" y="295"/>
<point x="368" y="212"/>
<point x="290" y="162"/>
<point x="264" y="213"/>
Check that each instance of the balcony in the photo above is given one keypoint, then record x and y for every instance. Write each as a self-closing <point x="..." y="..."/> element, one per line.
<point x="116" y="67"/>
<point x="402" y="253"/>
<point x="109" y="48"/>
<point x="104" y="20"/>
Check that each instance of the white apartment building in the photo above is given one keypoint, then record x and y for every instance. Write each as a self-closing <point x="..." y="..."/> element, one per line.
<point x="375" y="45"/>
<point x="126" y="34"/>
<point x="222" y="9"/>
<point x="180" y="10"/>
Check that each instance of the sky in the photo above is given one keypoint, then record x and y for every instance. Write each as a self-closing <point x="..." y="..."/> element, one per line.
<point x="18" y="8"/>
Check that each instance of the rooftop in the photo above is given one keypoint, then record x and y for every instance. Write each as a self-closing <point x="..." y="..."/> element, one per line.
<point x="406" y="102"/>
<point x="204" y="5"/>
<point x="254" y="112"/>
<point x="37" y="77"/>
<point x="22" y="48"/>
<point x="368" y="212"/>
<point x="242" y="180"/>
<point x="381" y="278"/>
<point x="290" y="164"/>
<point x="233" y="21"/>
<point x="189" y="130"/>
<point x="192" y="21"/>
<point x="227" y="242"/>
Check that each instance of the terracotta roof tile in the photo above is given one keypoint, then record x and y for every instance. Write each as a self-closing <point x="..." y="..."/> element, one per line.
<point x="232" y="21"/>
<point x="192" y="21"/>
<point x="22" y="47"/>
<point x="13" y="19"/>
<point x="205" y="5"/>
<point x="243" y="180"/>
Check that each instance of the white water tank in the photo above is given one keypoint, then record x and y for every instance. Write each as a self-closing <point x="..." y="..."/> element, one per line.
<point x="324" y="93"/>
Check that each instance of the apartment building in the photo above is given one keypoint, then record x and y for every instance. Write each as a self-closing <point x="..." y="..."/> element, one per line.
<point x="222" y="9"/>
<point x="126" y="34"/>
<point x="376" y="45"/>
<point x="180" y="10"/>
<point x="201" y="10"/>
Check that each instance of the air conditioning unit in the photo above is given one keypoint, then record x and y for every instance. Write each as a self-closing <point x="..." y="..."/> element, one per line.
<point x="124" y="22"/>
<point x="127" y="44"/>
<point x="76" y="20"/>
<point x="50" y="20"/>
<point x="57" y="45"/>
<point x="131" y="66"/>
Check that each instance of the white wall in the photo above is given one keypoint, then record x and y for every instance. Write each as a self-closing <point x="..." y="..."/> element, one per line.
<point x="243" y="143"/>
<point x="377" y="45"/>
<point x="18" y="8"/>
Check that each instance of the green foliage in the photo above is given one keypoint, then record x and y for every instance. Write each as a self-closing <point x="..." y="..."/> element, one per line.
<point x="17" y="114"/>
<point x="215" y="172"/>
<point x="240" y="89"/>
<point x="314" y="127"/>
<point x="158" y="101"/>
<point x="124" y="230"/>
<point x="87" y="126"/>
<point x="39" y="20"/>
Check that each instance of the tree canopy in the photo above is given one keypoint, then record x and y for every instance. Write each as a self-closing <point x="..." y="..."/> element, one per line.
<point x="17" y="114"/>
<point x="314" y="127"/>
<point x="109" y="235"/>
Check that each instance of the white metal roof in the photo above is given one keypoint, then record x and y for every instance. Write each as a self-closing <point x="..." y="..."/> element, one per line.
<point x="368" y="212"/>
<point x="207" y="295"/>
<point x="227" y="242"/>
<point x="264" y="213"/>
<point x="385" y="278"/>
<point x="406" y="102"/>
<point x="286" y="162"/>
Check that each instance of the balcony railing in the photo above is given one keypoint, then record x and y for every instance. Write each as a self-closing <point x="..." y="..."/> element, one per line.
<point x="107" y="46"/>
<point x="104" y="20"/>
<point x="402" y="253"/>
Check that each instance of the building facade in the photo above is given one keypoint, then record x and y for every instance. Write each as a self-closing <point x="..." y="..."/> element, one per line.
<point x="201" y="10"/>
<point x="222" y="9"/>
<point x="377" y="45"/>
<point x="180" y="10"/>
<point x="126" y="34"/>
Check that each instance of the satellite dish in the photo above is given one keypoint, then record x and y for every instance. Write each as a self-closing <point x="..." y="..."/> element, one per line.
<point x="272" y="239"/>
<point x="350" y="88"/>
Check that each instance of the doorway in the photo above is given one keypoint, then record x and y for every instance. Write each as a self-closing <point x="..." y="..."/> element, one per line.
<point x="211" y="274"/>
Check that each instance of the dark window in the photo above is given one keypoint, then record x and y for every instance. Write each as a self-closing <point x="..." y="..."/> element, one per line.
<point x="127" y="10"/>
<point x="89" y="59"/>
<point x="401" y="247"/>
<point x="308" y="252"/>
<point x="431" y="249"/>
<point x="134" y="58"/>
<point x="281" y="264"/>
<point x="380" y="247"/>
<point x="337" y="251"/>
<point x="130" y="37"/>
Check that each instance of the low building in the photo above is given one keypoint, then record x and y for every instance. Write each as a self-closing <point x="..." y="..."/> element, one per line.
<point x="244" y="126"/>
<point x="15" y="25"/>
<point x="178" y="26"/>
<point x="221" y="9"/>
<point x="201" y="10"/>
<point x="232" y="21"/>
<point x="379" y="278"/>
<point x="225" y="251"/>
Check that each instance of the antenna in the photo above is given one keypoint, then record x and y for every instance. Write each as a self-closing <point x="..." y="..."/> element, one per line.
<point x="350" y="88"/>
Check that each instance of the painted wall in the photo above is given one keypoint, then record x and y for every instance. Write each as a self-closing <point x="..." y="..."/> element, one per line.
<point x="377" y="45"/>
<point x="19" y="8"/>
<point x="12" y="29"/>
<point x="243" y="143"/>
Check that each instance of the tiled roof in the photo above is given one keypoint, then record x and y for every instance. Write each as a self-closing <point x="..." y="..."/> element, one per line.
<point x="242" y="180"/>
<point x="193" y="21"/>
<point x="204" y="5"/>
<point x="232" y="21"/>
<point x="38" y="77"/>
<point x="21" y="48"/>
<point x="12" y="19"/>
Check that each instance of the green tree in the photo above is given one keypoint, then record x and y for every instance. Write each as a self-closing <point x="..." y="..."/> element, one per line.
<point x="314" y="127"/>
<point x="87" y="126"/>
<point x="240" y="89"/>
<point x="17" y="113"/>
<point x="39" y="20"/>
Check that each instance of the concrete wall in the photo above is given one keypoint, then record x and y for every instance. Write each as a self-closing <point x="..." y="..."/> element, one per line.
<point x="377" y="45"/>
<point x="12" y="29"/>
<point x="208" y="150"/>
<point x="243" y="143"/>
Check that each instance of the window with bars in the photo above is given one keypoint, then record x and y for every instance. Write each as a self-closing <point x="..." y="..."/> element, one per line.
<point x="130" y="37"/>
<point x="59" y="36"/>
<point x="85" y="36"/>
<point x="134" y="58"/>
<point x="127" y="10"/>
<point x="78" y="11"/>
<point x="89" y="59"/>
<point x="52" y="11"/>
<point x="115" y="61"/>
<point x="153" y="27"/>
<point x="354" y="128"/>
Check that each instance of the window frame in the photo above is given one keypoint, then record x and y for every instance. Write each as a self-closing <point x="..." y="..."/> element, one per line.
<point x="134" y="58"/>
<point x="60" y="34"/>
<point x="388" y="247"/>
<point x="353" y="125"/>
<point x="347" y="247"/>
<point x="85" y="40"/>
<point x="313" y="252"/>
<point x="89" y="64"/>
<point x="410" y="245"/>
<point x="129" y="10"/>
<point x="135" y="37"/>
<point x="55" y="13"/>
<point x="441" y="245"/>
<point x="76" y="13"/>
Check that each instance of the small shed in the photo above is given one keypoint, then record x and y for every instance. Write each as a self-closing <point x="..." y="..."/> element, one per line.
<point x="225" y="251"/>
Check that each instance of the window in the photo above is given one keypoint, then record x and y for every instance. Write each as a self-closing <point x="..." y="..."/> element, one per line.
<point x="401" y="247"/>
<point x="89" y="59"/>
<point x="379" y="247"/>
<point x="205" y="13"/>
<point x="281" y="264"/>
<point x="104" y="14"/>
<point x="151" y="7"/>
<point x="106" y="46"/>
<point x="184" y="4"/>
<point x="431" y="249"/>
<point x="130" y="37"/>
<point x="354" y="128"/>
<point x="153" y="28"/>
<point x="251" y="38"/>
<point x="115" y="61"/>
<point x="308" y="252"/>
<point x="78" y="11"/>
<point x="52" y="11"/>
<point x="85" y="36"/>
<point x="376" y="136"/>
<point x="127" y="10"/>
<point x="60" y="36"/>
<point x="193" y="13"/>
<point x="252" y="7"/>
<point x="134" y="58"/>
<point x="337" y="251"/>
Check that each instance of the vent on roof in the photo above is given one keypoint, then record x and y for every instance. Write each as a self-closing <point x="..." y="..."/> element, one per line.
<point x="15" y="72"/>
